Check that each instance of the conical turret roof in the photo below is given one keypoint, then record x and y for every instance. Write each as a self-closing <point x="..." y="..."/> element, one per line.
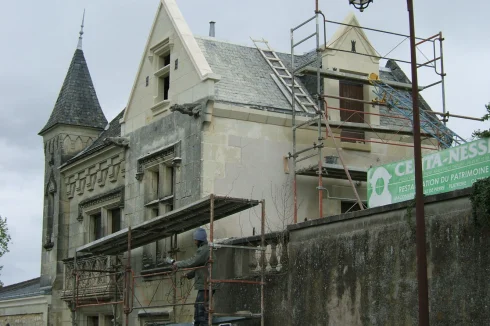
<point x="77" y="102"/>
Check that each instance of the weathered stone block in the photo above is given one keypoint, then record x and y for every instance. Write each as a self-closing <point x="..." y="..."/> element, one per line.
<point x="257" y="116"/>
<point x="235" y="141"/>
<point x="214" y="138"/>
<point x="239" y="113"/>
<point x="276" y="119"/>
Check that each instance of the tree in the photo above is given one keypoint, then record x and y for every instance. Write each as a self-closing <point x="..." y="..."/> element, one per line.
<point x="483" y="133"/>
<point x="4" y="239"/>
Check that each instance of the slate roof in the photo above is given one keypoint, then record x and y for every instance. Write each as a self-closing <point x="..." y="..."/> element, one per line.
<point x="246" y="77"/>
<point x="77" y="102"/>
<point x="24" y="289"/>
<point x="112" y="130"/>
<point x="397" y="74"/>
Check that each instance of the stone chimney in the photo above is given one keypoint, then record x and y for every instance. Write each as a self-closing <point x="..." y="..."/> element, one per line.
<point x="211" y="28"/>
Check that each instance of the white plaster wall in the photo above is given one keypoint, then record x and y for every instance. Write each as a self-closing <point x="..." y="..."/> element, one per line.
<point x="245" y="158"/>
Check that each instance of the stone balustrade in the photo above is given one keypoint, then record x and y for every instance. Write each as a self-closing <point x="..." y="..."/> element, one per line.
<point x="249" y="262"/>
<point x="97" y="279"/>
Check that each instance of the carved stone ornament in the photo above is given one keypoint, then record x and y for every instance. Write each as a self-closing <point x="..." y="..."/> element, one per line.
<point x="48" y="246"/>
<point x="161" y="155"/>
<point x="118" y="141"/>
<point x="191" y="109"/>
<point x="51" y="184"/>
<point x="99" y="199"/>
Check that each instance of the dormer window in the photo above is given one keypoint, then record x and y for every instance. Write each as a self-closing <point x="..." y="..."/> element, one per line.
<point x="161" y="54"/>
<point x="165" y="59"/>
<point x="163" y="77"/>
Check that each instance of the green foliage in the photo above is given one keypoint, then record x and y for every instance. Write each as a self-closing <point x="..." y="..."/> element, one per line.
<point x="480" y="202"/>
<point x="483" y="133"/>
<point x="4" y="239"/>
<point x="4" y="236"/>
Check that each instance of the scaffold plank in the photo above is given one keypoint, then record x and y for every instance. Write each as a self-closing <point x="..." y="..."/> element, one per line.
<point x="309" y="70"/>
<point x="174" y="222"/>
<point x="334" y="171"/>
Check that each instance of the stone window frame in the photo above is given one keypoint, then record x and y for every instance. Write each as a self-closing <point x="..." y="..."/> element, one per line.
<point x="100" y="204"/>
<point x="154" y="318"/>
<point x="161" y="73"/>
<point x="160" y="199"/>
<point x="170" y="152"/>
<point x="161" y="160"/>
<point x="102" y="318"/>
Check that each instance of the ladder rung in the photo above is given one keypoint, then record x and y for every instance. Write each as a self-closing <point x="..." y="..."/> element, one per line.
<point x="284" y="75"/>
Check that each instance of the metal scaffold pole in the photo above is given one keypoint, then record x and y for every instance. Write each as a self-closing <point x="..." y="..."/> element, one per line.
<point x="319" y="113"/>
<point x="262" y="258"/>
<point x="443" y="75"/>
<point x="329" y="132"/>
<point x="74" y="303"/>
<point x="211" y="262"/>
<point x="293" y="120"/>
<point x="128" y="288"/>
<point x="217" y="207"/>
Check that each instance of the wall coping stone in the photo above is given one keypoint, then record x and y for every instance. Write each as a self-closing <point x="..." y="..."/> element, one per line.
<point x="381" y="209"/>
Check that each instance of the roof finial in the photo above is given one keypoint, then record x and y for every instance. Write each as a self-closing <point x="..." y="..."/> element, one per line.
<point x="79" y="46"/>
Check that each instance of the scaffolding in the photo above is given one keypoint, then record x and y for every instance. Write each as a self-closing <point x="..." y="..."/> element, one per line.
<point x="207" y="210"/>
<point x="308" y="112"/>
<point x="390" y="94"/>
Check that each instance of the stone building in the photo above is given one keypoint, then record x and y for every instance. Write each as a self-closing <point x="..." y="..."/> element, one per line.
<point x="203" y="117"/>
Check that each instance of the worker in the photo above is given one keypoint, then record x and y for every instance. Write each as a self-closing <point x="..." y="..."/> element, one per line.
<point x="200" y="258"/>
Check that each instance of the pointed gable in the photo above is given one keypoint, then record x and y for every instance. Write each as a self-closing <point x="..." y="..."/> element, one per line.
<point x="345" y="35"/>
<point x="172" y="69"/>
<point x="350" y="51"/>
<point x="77" y="102"/>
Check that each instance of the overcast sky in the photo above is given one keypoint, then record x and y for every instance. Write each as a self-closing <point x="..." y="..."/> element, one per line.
<point x="39" y="37"/>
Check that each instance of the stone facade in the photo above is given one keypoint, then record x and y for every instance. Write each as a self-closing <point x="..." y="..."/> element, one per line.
<point x="24" y="309"/>
<point x="203" y="117"/>
<point x="23" y="320"/>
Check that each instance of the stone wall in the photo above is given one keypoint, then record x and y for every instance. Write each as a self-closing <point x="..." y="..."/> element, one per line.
<point x="60" y="144"/>
<point x="185" y="131"/>
<point x="23" y="320"/>
<point x="26" y="311"/>
<point x="360" y="269"/>
<point x="175" y="128"/>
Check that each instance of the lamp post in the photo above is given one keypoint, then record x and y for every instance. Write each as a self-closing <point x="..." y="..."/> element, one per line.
<point x="417" y="153"/>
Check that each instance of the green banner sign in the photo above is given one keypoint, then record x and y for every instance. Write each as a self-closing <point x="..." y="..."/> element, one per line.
<point x="453" y="168"/>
